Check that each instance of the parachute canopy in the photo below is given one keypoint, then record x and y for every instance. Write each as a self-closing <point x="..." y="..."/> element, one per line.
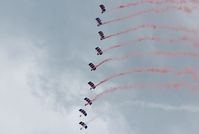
<point x="88" y="101"/>
<point x="101" y="35"/>
<point x="93" y="67"/>
<point x="83" y="112"/>
<point x="99" y="51"/>
<point x="102" y="7"/>
<point x="83" y="124"/>
<point x="99" y="22"/>
<point x="92" y="85"/>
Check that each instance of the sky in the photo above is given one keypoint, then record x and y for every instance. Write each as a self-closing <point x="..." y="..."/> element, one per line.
<point x="45" y="48"/>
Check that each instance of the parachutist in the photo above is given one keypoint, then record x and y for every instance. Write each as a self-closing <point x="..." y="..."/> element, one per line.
<point x="101" y="35"/>
<point x="99" y="22"/>
<point x="83" y="112"/>
<point x="88" y="101"/>
<point x="92" y="85"/>
<point x="93" y="67"/>
<point x="102" y="7"/>
<point x="99" y="51"/>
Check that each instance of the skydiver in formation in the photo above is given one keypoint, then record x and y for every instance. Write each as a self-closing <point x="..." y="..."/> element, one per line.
<point x="102" y="7"/>
<point x="83" y="125"/>
<point x="88" y="101"/>
<point x="99" y="22"/>
<point x="93" y="67"/>
<point x="92" y="85"/>
<point x="83" y="112"/>
<point x="99" y="51"/>
<point x="101" y="34"/>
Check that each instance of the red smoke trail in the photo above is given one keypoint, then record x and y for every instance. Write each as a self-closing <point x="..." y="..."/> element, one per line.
<point x="179" y="54"/>
<point x="155" y="26"/>
<point x="194" y="73"/>
<point x="171" y="85"/>
<point x="194" y="41"/>
<point x="148" y="11"/>
<point x="102" y="62"/>
<point x="140" y="39"/>
<point x="137" y="70"/>
<point x="187" y="71"/>
<point x="93" y="119"/>
<point x="135" y="55"/>
<point x="141" y="2"/>
<point x="175" y="54"/>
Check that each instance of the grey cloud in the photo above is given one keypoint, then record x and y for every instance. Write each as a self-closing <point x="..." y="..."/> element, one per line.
<point x="57" y="40"/>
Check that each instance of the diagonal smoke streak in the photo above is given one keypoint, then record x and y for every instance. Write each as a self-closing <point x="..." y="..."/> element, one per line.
<point x="170" y="85"/>
<point x="159" y="70"/>
<point x="182" y="39"/>
<point x="193" y="31"/>
<point x="165" y="107"/>
<point x="176" y="54"/>
<point x="148" y="11"/>
<point x="141" y="2"/>
<point x="92" y="119"/>
<point x="192" y="72"/>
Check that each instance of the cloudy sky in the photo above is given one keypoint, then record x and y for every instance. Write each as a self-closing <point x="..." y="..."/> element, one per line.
<point x="45" y="48"/>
